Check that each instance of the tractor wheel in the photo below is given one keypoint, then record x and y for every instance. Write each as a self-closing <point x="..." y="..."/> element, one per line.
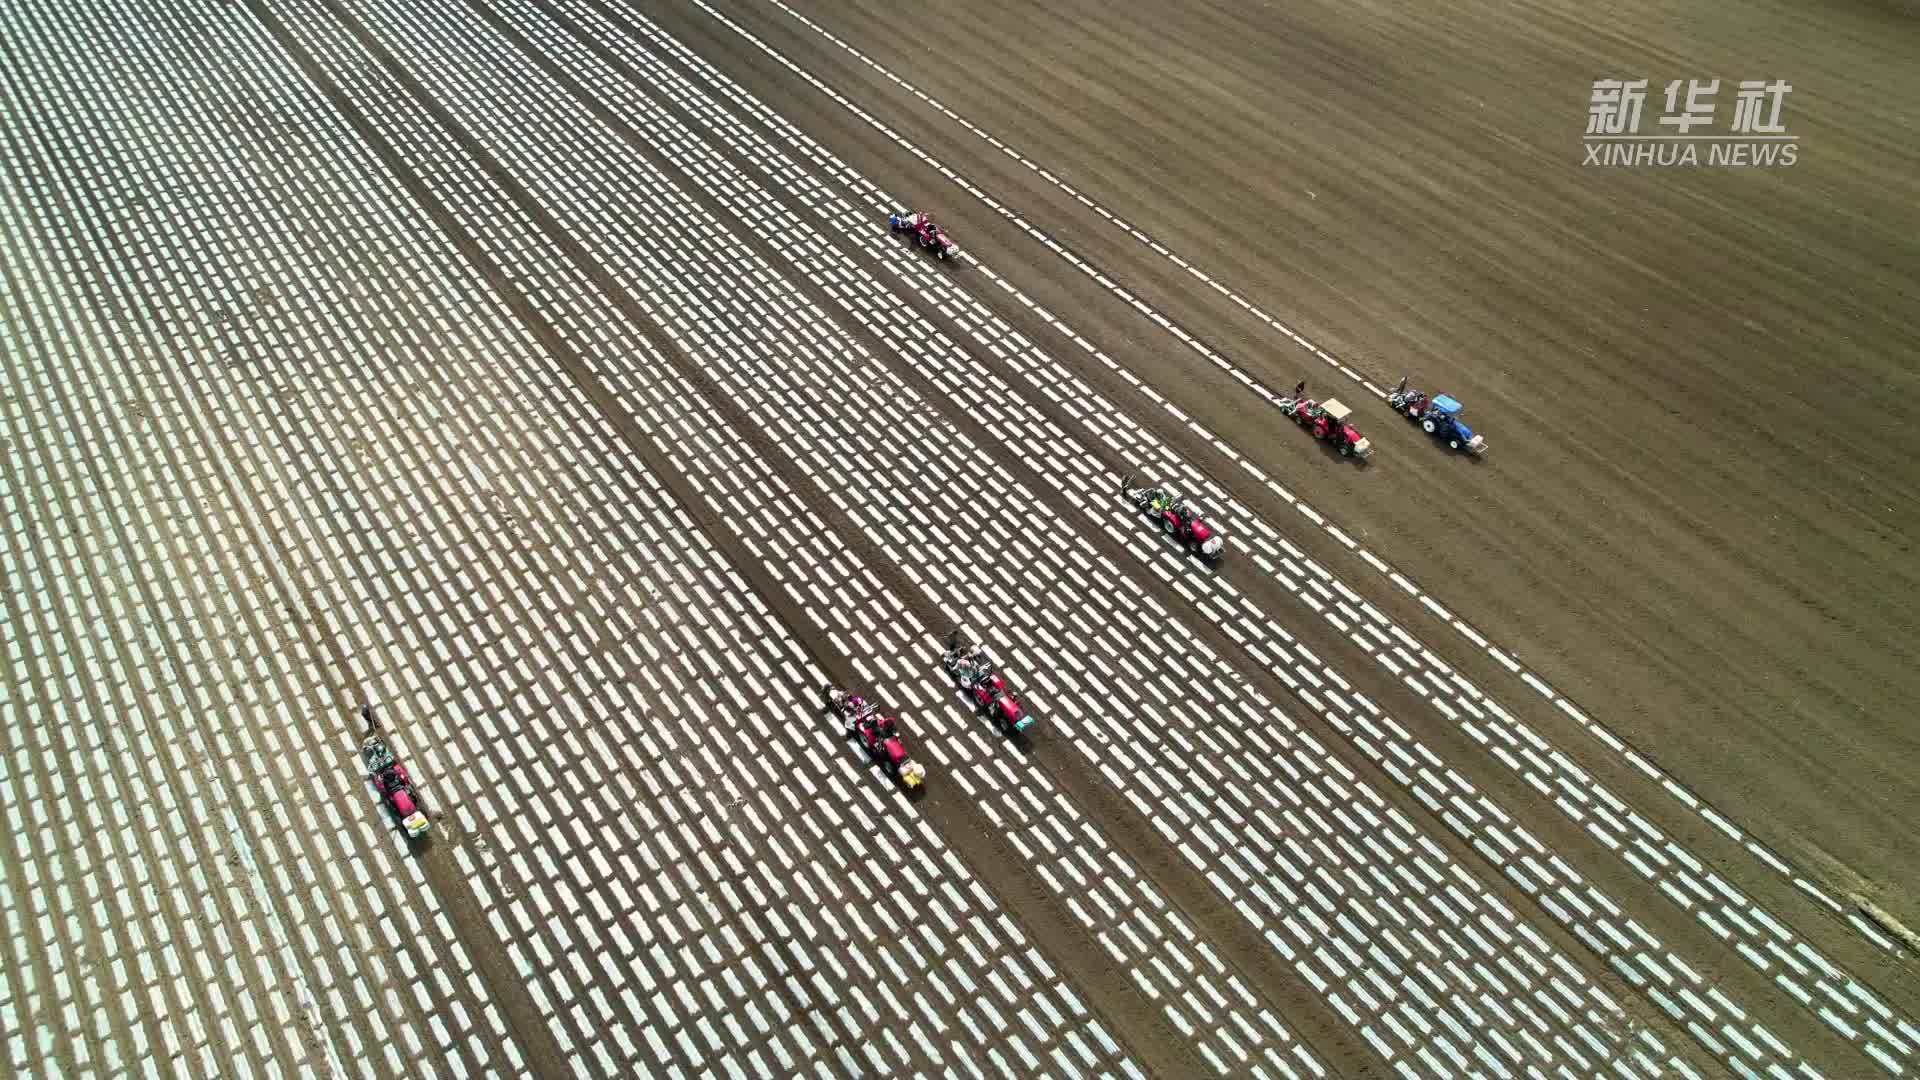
<point x="1453" y="444"/>
<point x="1428" y="426"/>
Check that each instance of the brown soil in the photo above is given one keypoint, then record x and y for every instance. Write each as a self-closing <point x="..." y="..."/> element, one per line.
<point x="1696" y="516"/>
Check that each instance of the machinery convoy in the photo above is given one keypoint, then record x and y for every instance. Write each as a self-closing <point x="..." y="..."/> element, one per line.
<point x="976" y="677"/>
<point x="1328" y="421"/>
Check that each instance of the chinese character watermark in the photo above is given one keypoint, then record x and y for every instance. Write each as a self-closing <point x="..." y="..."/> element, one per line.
<point x="1756" y="136"/>
<point x="1746" y="106"/>
<point x="1615" y="108"/>
<point x="1698" y="108"/>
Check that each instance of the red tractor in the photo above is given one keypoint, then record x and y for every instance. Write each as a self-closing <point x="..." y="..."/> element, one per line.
<point x="1177" y="518"/>
<point x="1327" y="421"/>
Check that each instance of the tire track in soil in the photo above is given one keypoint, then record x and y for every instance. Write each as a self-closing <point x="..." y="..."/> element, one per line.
<point x="1683" y="935"/>
<point x="204" y="851"/>
<point x="1244" y="951"/>
<point x="1202" y="898"/>
<point x="1134" y="1020"/>
<point x="434" y="856"/>
<point x="322" y="645"/>
<point x="499" y="510"/>
<point x="761" y="945"/>
<point x="1805" y="908"/>
<point x="449" y="889"/>
<point x="1605" y="872"/>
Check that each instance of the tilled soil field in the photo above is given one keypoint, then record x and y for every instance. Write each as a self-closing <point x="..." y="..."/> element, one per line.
<point x="545" y="372"/>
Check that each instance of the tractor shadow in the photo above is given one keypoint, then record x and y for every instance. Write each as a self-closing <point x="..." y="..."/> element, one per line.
<point x="1332" y="453"/>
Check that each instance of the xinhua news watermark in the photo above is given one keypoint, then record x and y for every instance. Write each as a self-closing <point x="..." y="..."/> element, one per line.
<point x="1756" y="137"/>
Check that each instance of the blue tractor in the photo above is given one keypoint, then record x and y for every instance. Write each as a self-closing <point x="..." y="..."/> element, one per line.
<point x="1438" y="416"/>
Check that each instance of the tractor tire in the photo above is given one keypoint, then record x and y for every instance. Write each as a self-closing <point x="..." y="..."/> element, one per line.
<point x="1453" y="444"/>
<point x="1429" y="426"/>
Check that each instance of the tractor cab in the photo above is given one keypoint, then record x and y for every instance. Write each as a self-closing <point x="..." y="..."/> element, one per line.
<point x="1444" y="412"/>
